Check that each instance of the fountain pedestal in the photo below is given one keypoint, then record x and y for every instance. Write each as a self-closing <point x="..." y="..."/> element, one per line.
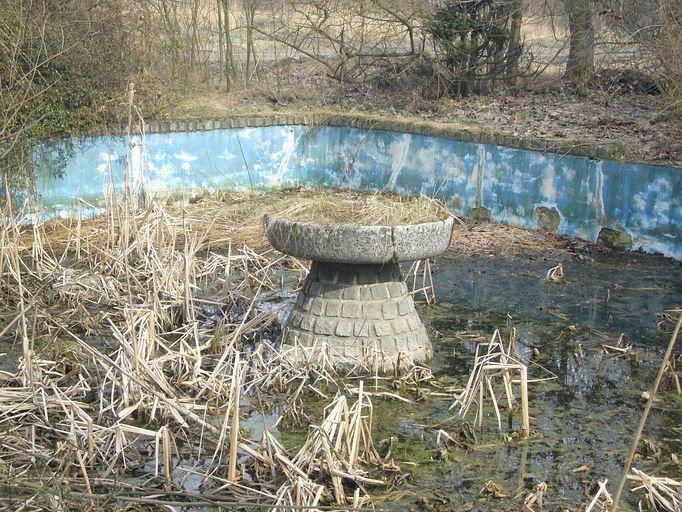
<point x="359" y="310"/>
<point x="354" y="299"/>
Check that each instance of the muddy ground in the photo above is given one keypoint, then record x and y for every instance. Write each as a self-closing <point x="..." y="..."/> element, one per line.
<point x="616" y="110"/>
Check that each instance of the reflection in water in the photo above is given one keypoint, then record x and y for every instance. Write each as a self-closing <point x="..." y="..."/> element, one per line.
<point x="586" y="416"/>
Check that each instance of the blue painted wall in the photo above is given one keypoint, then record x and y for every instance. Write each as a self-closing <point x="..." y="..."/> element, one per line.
<point x="642" y="200"/>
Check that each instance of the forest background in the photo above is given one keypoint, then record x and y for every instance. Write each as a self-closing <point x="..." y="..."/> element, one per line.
<point x="601" y="70"/>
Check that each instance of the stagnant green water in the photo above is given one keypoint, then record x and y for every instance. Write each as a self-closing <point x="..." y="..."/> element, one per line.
<point x="587" y="416"/>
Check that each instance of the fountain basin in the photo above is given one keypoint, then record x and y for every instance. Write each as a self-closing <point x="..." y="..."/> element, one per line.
<point x="354" y="303"/>
<point x="349" y="243"/>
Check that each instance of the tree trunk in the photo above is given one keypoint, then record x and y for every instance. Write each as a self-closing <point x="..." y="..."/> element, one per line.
<point x="172" y="33"/>
<point x="515" y="47"/>
<point x="193" y="39"/>
<point x="250" y="13"/>
<point x="228" y="46"/>
<point x="221" y="48"/>
<point x="580" y="65"/>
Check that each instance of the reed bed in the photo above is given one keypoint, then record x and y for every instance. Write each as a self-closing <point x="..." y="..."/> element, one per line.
<point x="349" y="207"/>
<point x="143" y="346"/>
<point x="237" y="217"/>
<point x="234" y="219"/>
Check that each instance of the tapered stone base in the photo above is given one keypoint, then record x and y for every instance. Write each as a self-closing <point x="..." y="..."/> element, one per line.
<point x="361" y="312"/>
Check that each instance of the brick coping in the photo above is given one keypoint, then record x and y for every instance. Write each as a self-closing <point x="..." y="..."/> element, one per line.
<point x="611" y="151"/>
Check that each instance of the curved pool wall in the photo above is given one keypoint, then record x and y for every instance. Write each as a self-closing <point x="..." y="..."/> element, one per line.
<point x="568" y="194"/>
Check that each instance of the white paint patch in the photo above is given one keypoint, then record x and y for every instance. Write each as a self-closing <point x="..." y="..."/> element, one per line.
<point x="136" y="161"/>
<point x="290" y="144"/>
<point x="226" y="155"/>
<point x="509" y="216"/>
<point x="426" y="159"/>
<point x="662" y="208"/>
<point x="455" y="173"/>
<point x="107" y="162"/>
<point x="638" y="202"/>
<point x="185" y="157"/>
<point x="547" y="187"/>
<point x="397" y="150"/>
<point x="518" y="183"/>
<point x="601" y="213"/>
<point x="651" y="245"/>
<point x="660" y="185"/>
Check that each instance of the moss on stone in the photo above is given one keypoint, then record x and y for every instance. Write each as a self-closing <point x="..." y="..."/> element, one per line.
<point x="464" y="130"/>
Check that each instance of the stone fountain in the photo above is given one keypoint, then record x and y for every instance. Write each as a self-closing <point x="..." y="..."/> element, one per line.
<point x="354" y="298"/>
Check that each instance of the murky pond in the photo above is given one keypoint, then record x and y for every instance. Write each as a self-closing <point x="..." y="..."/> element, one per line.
<point x="583" y="420"/>
<point x="588" y="415"/>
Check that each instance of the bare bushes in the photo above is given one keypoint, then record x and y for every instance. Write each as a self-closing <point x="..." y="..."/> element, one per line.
<point x="63" y="68"/>
<point x="466" y="47"/>
<point x="654" y="32"/>
<point x="667" y="47"/>
<point x="355" y="42"/>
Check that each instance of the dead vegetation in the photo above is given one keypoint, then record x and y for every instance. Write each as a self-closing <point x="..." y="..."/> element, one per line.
<point x="144" y="345"/>
<point x="159" y="327"/>
<point x="493" y="360"/>
<point x="235" y="219"/>
<point x="659" y="493"/>
<point x="358" y="208"/>
<point x="145" y="351"/>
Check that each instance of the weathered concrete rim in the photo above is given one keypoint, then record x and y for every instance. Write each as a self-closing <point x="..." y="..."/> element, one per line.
<point x="349" y="243"/>
<point x="415" y="126"/>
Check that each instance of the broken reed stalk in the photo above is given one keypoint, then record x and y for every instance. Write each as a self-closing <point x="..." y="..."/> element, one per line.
<point x="167" y="461"/>
<point x="234" y="427"/>
<point x="524" y="402"/>
<point x="645" y="414"/>
<point x="493" y="360"/>
<point x="660" y="491"/>
<point x="173" y="404"/>
<point x="602" y="490"/>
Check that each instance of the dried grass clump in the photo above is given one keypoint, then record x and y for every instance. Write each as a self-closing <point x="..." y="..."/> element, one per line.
<point x="238" y="216"/>
<point x="659" y="493"/>
<point x="348" y="207"/>
<point x="233" y="221"/>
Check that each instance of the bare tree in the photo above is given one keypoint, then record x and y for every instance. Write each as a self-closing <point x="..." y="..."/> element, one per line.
<point x="515" y="48"/>
<point x="250" y="15"/>
<point x="61" y="64"/>
<point x="356" y="42"/>
<point x="228" y="55"/>
<point x="580" y="64"/>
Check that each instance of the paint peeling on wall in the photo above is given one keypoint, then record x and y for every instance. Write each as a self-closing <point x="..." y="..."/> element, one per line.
<point x="570" y="194"/>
